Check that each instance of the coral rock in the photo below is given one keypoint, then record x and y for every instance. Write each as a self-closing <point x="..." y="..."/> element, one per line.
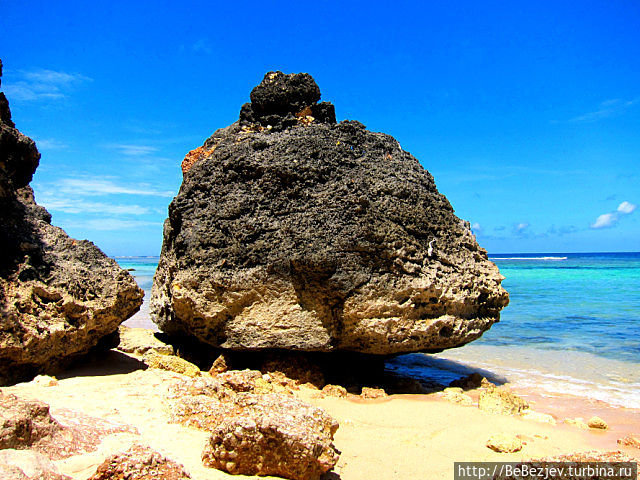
<point x="504" y="443"/>
<point x="534" y="416"/>
<point x="171" y="363"/>
<point x="317" y="236"/>
<point x="334" y="391"/>
<point x="368" y="392"/>
<point x="501" y="400"/>
<point x="597" y="423"/>
<point x="456" y="395"/>
<point x="254" y="431"/>
<point x="220" y="365"/>
<point x="273" y="434"/>
<point x="577" y="422"/>
<point x="630" y="440"/>
<point x="139" y="463"/>
<point x="28" y="424"/>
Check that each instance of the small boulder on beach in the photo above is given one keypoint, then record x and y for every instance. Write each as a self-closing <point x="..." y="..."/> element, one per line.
<point x="502" y="401"/>
<point x="139" y="463"/>
<point x="504" y="443"/>
<point x="597" y="423"/>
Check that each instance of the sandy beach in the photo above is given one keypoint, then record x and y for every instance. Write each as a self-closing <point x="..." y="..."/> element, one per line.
<point x="400" y="436"/>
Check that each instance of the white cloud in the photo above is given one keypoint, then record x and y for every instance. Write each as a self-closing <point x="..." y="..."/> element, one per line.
<point x="41" y="84"/>
<point x="476" y="226"/>
<point x="105" y="224"/>
<point x="70" y="206"/>
<point x="202" y="46"/>
<point x="521" y="227"/>
<point x="50" y="144"/>
<point x="626" y="207"/>
<point x="133" y="150"/>
<point x="98" y="186"/>
<point x="605" y="220"/>
<point x="608" y="108"/>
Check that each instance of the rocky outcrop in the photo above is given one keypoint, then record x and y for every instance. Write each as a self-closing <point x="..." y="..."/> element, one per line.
<point x="59" y="297"/>
<point x="291" y="231"/>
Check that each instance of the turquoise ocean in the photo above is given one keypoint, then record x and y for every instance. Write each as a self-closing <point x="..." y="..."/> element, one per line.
<point x="572" y="327"/>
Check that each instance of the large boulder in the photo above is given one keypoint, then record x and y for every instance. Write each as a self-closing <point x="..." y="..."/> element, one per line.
<point x="59" y="297"/>
<point x="291" y="231"/>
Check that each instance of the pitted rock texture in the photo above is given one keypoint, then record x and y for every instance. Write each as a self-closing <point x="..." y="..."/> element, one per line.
<point x="59" y="297"/>
<point x="272" y="434"/>
<point x="140" y="463"/>
<point x="317" y="236"/>
<point x="256" y="426"/>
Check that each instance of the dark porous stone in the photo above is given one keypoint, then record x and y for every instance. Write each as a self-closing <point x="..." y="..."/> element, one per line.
<point x="317" y="236"/>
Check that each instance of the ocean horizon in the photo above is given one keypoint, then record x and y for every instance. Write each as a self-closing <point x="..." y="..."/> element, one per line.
<point x="571" y="327"/>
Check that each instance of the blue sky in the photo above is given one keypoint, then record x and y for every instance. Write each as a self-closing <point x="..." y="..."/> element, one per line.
<point x="527" y="115"/>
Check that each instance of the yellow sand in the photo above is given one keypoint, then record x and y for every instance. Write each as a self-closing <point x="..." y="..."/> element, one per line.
<point x="402" y="436"/>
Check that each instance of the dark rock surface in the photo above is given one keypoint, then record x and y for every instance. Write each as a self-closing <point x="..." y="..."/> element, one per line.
<point x="317" y="236"/>
<point x="59" y="297"/>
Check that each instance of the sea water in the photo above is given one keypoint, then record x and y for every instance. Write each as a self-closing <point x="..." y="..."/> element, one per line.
<point x="572" y="326"/>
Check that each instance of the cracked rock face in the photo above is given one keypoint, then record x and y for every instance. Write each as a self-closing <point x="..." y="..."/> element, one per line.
<point x="291" y="231"/>
<point x="59" y="297"/>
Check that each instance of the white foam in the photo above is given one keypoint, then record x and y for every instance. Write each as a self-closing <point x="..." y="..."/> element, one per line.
<point x="528" y="258"/>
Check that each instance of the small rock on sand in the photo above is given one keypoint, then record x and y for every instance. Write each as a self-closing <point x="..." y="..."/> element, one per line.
<point x="577" y="422"/>
<point x="334" y="391"/>
<point x="220" y="364"/>
<point x="456" y="395"/>
<point x="171" y="363"/>
<point x="534" y="416"/>
<point x="139" y="463"/>
<point x="270" y="434"/>
<point x="597" y="423"/>
<point x="504" y="443"/>
<point x="501" y="400"/>
<point x="45" y="381"/>
<point x="368" y="392"/>
<point x="469" y="382"/>
<point x="631" y="440"/>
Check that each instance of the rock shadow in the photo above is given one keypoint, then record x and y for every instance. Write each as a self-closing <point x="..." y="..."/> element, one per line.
<point x="104" y="363"/>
